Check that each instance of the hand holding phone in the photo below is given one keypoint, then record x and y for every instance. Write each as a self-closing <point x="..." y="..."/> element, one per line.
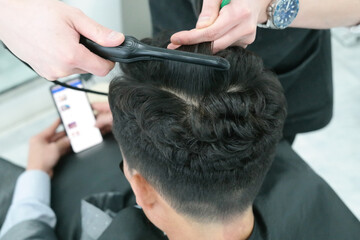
<point x="77" y="116"/>
<point x="104" y="119"/>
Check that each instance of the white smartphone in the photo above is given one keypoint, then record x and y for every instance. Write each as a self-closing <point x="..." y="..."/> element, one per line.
<point x="76" y="115"/>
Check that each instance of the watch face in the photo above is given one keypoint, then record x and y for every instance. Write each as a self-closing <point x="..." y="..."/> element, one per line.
<point x="285" y="12"/>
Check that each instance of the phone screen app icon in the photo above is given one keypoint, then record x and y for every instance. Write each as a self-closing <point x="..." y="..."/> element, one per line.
<point x="77" y="116"/>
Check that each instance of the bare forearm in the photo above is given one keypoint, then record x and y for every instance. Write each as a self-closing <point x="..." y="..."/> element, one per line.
<point x="323" y="14"/>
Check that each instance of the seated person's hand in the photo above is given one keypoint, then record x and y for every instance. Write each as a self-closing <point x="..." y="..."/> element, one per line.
<point x="104" y="117"/>
<point x="46" y="148"/>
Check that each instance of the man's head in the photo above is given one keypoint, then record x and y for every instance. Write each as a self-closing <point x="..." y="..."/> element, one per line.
<point x="202" y="139"/>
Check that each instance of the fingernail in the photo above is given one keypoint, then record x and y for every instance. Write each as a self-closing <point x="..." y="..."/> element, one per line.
<point x="115" y="35"/>
<point x="173" y="46"/>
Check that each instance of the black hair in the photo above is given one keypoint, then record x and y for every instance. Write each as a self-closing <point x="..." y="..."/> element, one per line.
<point x="203" y="138"/>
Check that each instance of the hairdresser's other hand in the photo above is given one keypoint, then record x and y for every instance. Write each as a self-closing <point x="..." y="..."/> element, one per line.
<point x="234" y="24"/>
<point x="104" y="119"/>
<point x="46" y="33"/>
<point x="46" y="148"/>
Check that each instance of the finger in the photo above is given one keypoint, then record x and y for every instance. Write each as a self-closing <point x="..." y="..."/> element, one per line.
<point x="101" y="106"/>
<point x="79" y="71"/>
<point x="63" y="145"/>
<point x="63" y="74"/>
<point x="209" y="13"/>
<point x="238" y="36"/>
<point x="221" y="26"/>
<point x="240" y="44"/>
<point x="173" y="46"/>
<point x="104" y="120"/>
<point x="96" y="32"/>
<point x="105" y="130"/>
<point x="57" y="136"/>
<point x="92" y="63"/>
<point x="50" y="131"/>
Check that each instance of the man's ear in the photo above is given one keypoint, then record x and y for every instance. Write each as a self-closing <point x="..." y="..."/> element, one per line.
<point x="146" y="196"/>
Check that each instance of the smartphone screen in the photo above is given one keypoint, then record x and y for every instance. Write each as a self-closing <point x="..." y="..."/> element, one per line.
<point x="77" y="116"/>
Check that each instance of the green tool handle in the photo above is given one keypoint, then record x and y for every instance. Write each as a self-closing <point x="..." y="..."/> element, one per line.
<point x="224" y="3"/>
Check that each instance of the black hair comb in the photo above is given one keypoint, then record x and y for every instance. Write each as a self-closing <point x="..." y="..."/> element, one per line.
<point x="132" y="50"/>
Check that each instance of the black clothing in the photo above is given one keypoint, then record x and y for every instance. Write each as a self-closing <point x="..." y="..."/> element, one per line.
<point x="300" y="57"/>
<point x="8" y="176"/>
<point x="294" y="203"/>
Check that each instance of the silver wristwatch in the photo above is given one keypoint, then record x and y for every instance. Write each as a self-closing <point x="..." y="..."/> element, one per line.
<point x="281" y="13"/>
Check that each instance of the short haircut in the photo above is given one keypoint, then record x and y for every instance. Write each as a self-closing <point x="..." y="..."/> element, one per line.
<point x="203" y="138"/>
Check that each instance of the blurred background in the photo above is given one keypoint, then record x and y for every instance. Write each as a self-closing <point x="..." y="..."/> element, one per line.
<point x="26" y="106"/>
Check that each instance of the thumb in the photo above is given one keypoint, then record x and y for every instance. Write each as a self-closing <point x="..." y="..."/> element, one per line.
<point x="101" y="107"/>
<point x="63" y="145"/>
<point x="209" y="13"/>
<point x="104" y="120"/>
<point x="96" y="32"/>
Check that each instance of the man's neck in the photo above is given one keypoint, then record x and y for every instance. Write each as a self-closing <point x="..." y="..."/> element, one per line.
<point x="238" y="228"/>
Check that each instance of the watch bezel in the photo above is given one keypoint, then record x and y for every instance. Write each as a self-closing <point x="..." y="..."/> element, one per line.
<point x="273" y="7"/>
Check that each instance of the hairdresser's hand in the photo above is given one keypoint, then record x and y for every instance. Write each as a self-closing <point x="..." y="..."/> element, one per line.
<point x="46" y="148"/>
<point x="45" y="34"/>
<point x="104" y="119"/>
<point x="235" y="24"/>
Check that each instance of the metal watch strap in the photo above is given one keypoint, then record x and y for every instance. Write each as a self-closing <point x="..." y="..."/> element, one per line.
<point x="270" y="12"/>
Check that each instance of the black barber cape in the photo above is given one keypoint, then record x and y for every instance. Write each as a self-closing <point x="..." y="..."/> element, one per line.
<point x="294" y="203"/>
